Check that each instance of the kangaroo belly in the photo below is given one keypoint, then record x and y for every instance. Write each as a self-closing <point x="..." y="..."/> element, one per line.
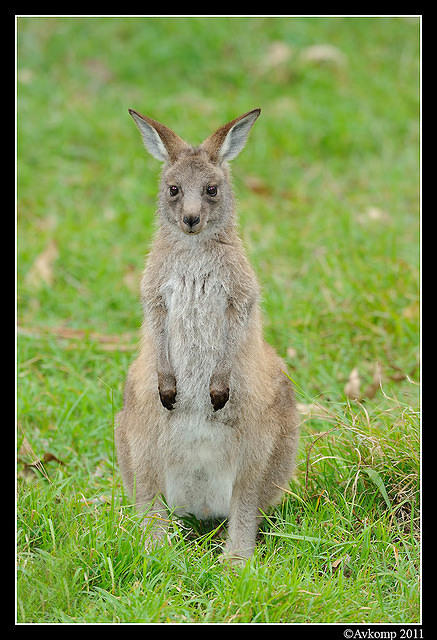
<point x="196" y="334"/>
<point x="201" y="469"/>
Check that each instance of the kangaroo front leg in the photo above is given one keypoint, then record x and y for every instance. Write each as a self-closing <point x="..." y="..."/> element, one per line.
<point x="166" y="377"/>
<point x="157" y="316"/>
<point x="236" y="323"/>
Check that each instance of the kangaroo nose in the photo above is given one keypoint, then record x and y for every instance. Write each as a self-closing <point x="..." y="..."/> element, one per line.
<point x="191" y="221"/>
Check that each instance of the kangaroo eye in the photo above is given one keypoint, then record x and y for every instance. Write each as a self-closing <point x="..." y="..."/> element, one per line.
<point x="173" y="190"/>
<point x="211" y="190"/>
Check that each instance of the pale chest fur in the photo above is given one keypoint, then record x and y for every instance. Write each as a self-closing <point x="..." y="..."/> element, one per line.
<point x="195" y="300"/>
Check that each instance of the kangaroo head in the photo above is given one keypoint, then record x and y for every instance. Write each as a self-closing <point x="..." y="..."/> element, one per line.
<point x="196" y="192"/>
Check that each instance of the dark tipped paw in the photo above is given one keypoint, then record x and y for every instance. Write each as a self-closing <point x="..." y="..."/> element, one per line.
<point x="168" y="398"/>
<point x="219" y="398"/>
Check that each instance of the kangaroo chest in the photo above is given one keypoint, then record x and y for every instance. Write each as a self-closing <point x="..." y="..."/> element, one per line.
<point x="195" y="329"/>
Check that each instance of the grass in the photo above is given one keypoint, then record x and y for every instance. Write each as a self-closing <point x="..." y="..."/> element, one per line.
<point x="328" y="200"/>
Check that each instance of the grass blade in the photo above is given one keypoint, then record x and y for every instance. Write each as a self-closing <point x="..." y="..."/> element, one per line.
<point x="379" y="483"/>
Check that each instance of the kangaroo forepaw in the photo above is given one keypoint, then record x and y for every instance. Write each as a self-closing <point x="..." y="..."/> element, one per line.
<point x="167" y="389"/>
<point x="219" y="398"/>
<point x="168" y="398"/>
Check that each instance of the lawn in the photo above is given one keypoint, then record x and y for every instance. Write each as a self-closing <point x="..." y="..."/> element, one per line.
<point x="327" y="192"/>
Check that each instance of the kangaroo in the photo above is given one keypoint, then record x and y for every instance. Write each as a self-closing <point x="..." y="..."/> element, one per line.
<point x="209" y="424"/>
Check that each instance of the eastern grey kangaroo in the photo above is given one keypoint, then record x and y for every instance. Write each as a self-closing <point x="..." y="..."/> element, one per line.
<point x="209" y="420"/>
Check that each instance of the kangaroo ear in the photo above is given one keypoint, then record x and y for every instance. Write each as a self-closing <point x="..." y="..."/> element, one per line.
<point x="227" y="142"/>
<point x="160" y="141"/>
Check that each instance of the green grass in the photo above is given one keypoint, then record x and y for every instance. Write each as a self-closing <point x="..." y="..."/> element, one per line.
<point x="328" y="201"/>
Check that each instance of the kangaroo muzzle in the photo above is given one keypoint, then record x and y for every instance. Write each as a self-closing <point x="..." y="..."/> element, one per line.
<point x="191" y="223"/>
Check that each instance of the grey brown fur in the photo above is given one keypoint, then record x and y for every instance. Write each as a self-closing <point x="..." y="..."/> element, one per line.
<point x="209" y="419"/>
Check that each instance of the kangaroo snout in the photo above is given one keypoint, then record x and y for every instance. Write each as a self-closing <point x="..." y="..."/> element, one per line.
<point x="190" y="222"/>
